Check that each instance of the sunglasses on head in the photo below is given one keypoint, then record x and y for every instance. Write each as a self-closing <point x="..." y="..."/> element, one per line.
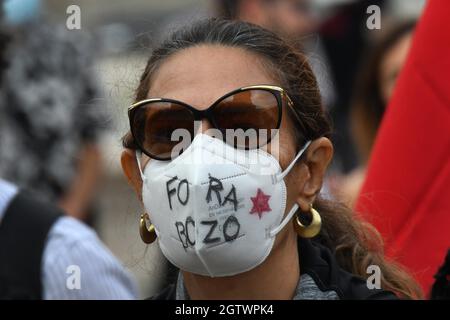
<point x="154" y="121"/>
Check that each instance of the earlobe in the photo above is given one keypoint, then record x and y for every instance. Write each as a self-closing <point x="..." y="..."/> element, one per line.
<point x="131" y="170"/>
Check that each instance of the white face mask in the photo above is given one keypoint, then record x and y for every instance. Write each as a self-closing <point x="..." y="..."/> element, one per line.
<point x="216" y="209"/>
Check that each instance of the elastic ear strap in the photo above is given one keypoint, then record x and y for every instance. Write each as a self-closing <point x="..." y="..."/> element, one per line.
<point x="138" y="159"/>
<point x="299" y="154"/>
<point x="288" y="217"/>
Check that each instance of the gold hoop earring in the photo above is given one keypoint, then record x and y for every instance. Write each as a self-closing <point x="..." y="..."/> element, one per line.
<point x="310" y="230"/>
<point x="148" y="234"/>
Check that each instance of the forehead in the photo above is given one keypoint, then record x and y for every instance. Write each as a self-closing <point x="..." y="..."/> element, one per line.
<point x="200" y="75"/>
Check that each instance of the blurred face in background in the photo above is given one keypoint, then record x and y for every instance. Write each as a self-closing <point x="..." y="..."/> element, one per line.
<point x="392" y="64"/>
<point x="290" y="18"/>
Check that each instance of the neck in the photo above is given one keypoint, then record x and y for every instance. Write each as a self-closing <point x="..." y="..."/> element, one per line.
<point x="276" y="278"/>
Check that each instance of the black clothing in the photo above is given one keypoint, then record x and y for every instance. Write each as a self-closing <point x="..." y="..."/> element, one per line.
<point x="23" y="235"/>
<point x="320" y="264"/>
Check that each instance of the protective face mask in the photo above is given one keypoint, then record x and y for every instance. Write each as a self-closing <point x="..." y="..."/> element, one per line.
<point x="216" y="209"/>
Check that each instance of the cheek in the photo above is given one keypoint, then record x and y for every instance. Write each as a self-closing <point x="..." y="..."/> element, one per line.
<point x="282" y="147"/>
<point x="287" y="143"/>
<point x="286" y="150"/>
<point x="386" y="89"/>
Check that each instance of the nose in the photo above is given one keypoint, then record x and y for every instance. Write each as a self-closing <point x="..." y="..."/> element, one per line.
<point x="203" y="126"/>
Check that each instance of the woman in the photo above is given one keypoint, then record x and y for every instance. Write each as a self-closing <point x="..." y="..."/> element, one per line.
<point x="373" y="92"/>
<point x="240" y="231"/>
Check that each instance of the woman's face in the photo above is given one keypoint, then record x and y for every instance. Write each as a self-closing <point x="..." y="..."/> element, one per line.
<point x="200" y="75"/>
<point x="392" y="64"/>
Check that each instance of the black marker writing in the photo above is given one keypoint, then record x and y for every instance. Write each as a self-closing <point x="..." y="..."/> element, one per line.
<point x="213" y="224"/>
<point x="216" y="186"/>
<point x="189" y="220"/>
<point x="186" y="198"/>
<point x="231" y="222"/>
<point x="231" y="197"/>
<point x="172" y="191"/>
<point x="230" y="230"/>
<point x="181" y="232"/>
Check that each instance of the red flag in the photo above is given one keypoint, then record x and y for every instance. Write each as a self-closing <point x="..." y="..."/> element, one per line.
<point x="406" y="194"/>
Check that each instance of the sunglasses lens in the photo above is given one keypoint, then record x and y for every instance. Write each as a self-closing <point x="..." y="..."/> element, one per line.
<point x="159" y="126"/>
<point x="248" y="119"/>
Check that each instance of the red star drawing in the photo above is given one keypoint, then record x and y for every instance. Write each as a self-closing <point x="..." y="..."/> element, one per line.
<point x="260" y="203"/>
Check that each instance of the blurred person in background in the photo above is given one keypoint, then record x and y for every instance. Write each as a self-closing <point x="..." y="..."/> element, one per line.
<point x="51" y="120"/>
<point x="43" y="253"/>
<point x="290" y="18"/>
<point x="405" y="194"/>
<point x="267" y="243"/>
<point x="343" y="33"/>
<point x="372" y="93"/>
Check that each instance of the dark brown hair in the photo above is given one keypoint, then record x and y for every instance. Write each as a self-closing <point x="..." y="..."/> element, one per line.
<point x="356" y="244"/>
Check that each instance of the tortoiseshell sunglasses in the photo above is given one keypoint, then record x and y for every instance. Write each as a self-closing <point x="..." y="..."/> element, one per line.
<point x="153" y="121"/>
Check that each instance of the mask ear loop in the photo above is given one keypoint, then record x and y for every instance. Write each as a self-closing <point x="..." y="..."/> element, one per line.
<point x="295" y="207"/>
<point x="288" y="217"/>
<point x="138" y="157"/>
<point x="299" y="154"/>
